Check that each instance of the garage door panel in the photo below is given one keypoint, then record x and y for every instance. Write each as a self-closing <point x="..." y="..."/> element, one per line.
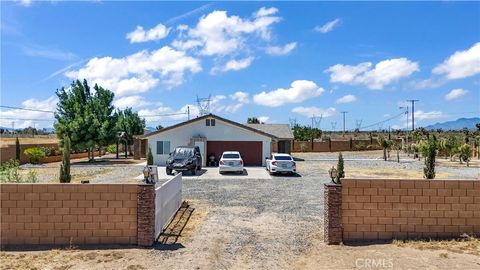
<point x="251" y="151"/>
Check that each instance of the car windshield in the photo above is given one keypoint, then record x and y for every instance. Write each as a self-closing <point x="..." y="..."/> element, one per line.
<point x="183" y="153"/>
<point x="231" y="156"/>
<point x="283" y="158"/>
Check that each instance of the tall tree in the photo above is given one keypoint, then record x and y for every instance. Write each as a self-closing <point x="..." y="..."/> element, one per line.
<point x="130" y="123"/>
<point x="253" y="120"/>
<point x="85" y="117"/>
<point x="65" y="176"/>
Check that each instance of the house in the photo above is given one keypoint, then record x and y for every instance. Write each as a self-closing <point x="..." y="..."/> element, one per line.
<point x="214" y="135"/>
<point x="282" y="132"/>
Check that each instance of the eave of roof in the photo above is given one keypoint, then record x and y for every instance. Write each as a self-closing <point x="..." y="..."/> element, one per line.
<point x="204" y="117"/>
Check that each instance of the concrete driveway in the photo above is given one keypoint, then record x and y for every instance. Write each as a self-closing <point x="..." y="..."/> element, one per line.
<point x="211" y="173"/>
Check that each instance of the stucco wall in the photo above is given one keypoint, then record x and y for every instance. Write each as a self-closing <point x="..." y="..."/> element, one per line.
<point x="222" y="131"/>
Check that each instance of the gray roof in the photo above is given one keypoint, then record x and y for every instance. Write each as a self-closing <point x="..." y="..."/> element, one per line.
<point x="281" y="131"/>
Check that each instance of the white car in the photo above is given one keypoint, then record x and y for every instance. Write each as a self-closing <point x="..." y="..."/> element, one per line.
<point x="281" y="163"/>
<point x="230" y="161"/>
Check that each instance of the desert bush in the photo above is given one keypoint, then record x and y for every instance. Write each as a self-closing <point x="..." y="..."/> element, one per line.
<point x="465" y="153"/>
<point x="360" y="146"/>
<point x="9" y="172"/>
<point x="31" y="177"/>
<point x="34" y="154"/>
<point x="111" y="148"/>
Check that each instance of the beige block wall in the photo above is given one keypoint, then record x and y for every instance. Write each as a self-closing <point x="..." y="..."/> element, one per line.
<point x="63" y="214"/>
<point x="398" y="209"/>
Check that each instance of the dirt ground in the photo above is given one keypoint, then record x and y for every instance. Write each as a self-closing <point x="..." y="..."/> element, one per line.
<point x="38" y="139"/>
<point x="272" y="223"/>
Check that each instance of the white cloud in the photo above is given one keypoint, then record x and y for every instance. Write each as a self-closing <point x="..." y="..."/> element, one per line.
<point x="421" y="115"/>
<point x="263" y="119"/>
<point x="328" y="26"/>
<point x="139" y="72"/>
<point x="299" y="91"/>
<point x="131" y="101"/>
<point x="278" y="50"/>
<point x="140" y="35"/>
<point x="314" y="111"/>
<point x="233" y="65"/>
<point x="240" y="97"/>
<point x="219" y="34"/>
<point x="455" y="93"/>
<point x="25" y="3"/>
<point x="384" y="72"/>
<point x="461" y="64"/>
<point x="49" y="53"/>
<point x="346" y="99"/>
<point x="40" y="119"/>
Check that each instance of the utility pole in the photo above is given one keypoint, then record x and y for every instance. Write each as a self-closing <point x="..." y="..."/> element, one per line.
<point x="413" y="112"/>
<point x="406" y="130"/>
<point x="343" y="122"/>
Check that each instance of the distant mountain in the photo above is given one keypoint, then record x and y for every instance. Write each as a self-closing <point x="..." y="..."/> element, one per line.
<point x="456" y="124"/>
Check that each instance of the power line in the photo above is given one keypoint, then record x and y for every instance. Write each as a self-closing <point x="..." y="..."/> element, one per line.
<point x="383" y="121"/>
<point x="25" y="109"/>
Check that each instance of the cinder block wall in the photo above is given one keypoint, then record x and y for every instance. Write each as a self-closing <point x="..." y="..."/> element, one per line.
<point x="63" y="214"/>
<point x="399" y="209"/>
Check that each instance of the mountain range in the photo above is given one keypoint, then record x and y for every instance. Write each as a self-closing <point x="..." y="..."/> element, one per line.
<point x="456" y="124"/>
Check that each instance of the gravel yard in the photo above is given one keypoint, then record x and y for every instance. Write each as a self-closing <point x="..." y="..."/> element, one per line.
<point x="268" y="223"/>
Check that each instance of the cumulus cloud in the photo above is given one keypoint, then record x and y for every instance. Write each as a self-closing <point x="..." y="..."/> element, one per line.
<point x="240" y="97"/>
<point x="421" y="115"/>
<point x="140" y="35"/>
<point x="23" y="118"/>
<point x="461" y="64"/>
<point x="138" y="72"/>
<point x="346" y="99"/>
<point x="131" y="101"/>
<point x="384" y="72"/>
<point x="233" y="65"/>
<point x="218" y="34"/>
<point x="299" y="91"/>
<point x="263" y="119"/>
<point x="281" y="50"/>
<point x="314" y="111"/>
<point x="328" y="26"/>
<point x="455" y="93"/>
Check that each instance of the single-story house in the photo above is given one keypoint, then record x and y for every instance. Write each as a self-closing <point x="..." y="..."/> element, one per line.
<point x="283" y="133"/>
<point x="214" y="135"/>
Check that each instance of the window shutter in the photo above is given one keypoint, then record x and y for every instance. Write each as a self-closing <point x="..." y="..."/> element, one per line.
<point x="159" y="147"/>
<point x="166" y="147"/>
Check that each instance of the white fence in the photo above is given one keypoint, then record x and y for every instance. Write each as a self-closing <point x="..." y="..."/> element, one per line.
<point x="168" y="199"/>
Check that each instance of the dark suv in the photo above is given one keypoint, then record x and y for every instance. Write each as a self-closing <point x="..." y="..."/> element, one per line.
<point x="184" y="158"/>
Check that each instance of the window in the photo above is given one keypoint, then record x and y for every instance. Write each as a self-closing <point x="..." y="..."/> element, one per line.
<point x="210" y="122"/>
<point x="163" y="147"/>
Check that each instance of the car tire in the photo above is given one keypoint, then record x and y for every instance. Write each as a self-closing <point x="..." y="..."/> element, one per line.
<point x="194" y="171"/>
<point x="168" y="171"/>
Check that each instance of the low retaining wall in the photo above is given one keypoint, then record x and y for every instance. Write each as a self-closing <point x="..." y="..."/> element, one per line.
<point x="335" y="146"/>
<point x="388" y="209"/>
<point x="76" y="214"/>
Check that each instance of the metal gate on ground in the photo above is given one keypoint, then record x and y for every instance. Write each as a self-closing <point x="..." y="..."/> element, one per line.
<point x="168" y="199"/>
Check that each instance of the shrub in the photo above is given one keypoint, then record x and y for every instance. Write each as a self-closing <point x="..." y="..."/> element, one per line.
<point x="65" y="176"/>
<point x="430" y="151"/>
<point x="360" y="146"/>
<point x="465" y="153"/>
<point x="149" y="157"/>
<point x="17" y="149"/>
<point x="111" y="148"/>
<point x="31" y="177"/>
<point x="9" y="172"/>
<point x="340" y="169"/>
<point x="34" y="154"/>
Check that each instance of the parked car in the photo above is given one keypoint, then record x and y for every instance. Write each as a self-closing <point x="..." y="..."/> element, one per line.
<point x="281" y="163"/>
<point x="184" y="158"/>
<point x="230" y="161"/>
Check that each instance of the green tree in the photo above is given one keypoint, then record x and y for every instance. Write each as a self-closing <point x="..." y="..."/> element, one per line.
<point x="340" y="169"/>
<point x="385" y="145"/>
<point x="253" y="120"/>
<point x="465" y="153"/>
<point x="65" y="176"/>
<point x="17" y="149"/>
<point x="85" y="117"/>
<point x="130" y="123"/>
<point x="397" y="146"/>
<point x="431" y="152"/>
<point x="149" y="157"/>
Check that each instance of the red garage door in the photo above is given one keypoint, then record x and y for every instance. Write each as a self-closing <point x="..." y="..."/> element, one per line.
<point x="251" y="151"/>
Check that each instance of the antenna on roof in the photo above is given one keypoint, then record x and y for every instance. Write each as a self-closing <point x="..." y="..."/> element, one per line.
<point x="203" y="105"/>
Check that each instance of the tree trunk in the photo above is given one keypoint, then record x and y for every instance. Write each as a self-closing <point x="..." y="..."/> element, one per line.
<point x="385" y="154"/>
<point x="398" y="156"/>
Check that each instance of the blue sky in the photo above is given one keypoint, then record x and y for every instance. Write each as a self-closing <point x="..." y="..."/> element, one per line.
<point x="274" y="60"/>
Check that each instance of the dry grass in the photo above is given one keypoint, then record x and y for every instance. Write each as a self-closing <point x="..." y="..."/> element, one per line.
<point x="39" y="140"/>
<point x="469" y="245"/>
